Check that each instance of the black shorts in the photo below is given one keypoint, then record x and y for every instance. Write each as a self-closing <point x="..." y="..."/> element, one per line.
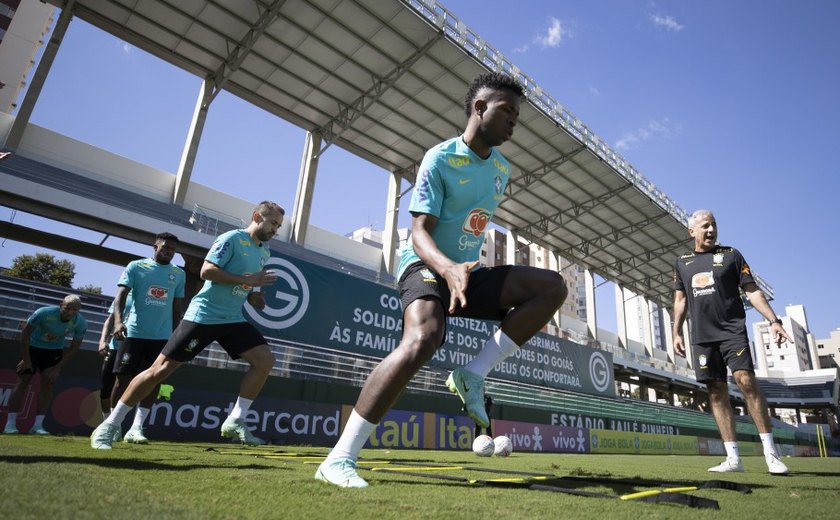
<point x="190" y="338"/>
<point x="136" y="355"/>
<point x="711" y="359"/>
<point x="107" y="377"/>
<point x="484" y="290"/>
<point x="42" y="359"/>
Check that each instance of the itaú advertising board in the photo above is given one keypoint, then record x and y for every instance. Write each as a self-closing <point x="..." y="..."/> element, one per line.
<point x="313" y="305"/>
<point x="400" y="429"/>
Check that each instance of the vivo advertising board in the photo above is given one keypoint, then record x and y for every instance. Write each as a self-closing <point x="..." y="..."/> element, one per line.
<point x="543" y="437"/>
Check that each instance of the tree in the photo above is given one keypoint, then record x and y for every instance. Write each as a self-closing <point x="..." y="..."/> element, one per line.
<point x="43" y="267"/>
<point x="90" y="288"/>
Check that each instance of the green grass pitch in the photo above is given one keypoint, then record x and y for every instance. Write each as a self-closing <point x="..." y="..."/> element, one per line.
<point x="62" y="477"/>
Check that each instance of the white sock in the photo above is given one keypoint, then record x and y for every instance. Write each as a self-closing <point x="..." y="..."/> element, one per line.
<point x="496" y="349"/>
<point x="11" y="420"/>
<point x="118" y="413"/>
<point x="732" y="450"/>
<point x="356" y="433"/>
<point x="39" y="422"/>
<point x="240" y="408"/>
<point x="767" y="443"/>
<point x="140" y="416"/>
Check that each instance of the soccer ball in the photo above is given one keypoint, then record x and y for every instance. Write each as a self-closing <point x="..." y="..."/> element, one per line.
<point x="503" y="446"/>
<point x="483" y="446"/>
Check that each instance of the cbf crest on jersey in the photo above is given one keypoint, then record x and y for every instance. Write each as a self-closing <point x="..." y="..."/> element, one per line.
<point x="499" y="183"/>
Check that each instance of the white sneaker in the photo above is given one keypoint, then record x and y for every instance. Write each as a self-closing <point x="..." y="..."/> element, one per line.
<point x="340" y="472"/>
<point x="236" y="429"/>
<point x="728" y="466"/>
<point x="135" y="436"/>
<point x="103" y="436"/>
<point x="775" y="465"/>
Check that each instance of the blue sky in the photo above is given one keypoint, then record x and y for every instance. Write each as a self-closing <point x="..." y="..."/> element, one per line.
<point x="726" y="105"/>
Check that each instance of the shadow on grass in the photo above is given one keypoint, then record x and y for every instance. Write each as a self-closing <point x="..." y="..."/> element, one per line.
<point x="628" y="485"/>
<point x="591" y="486"/>
<point x="123" y="463"/>
<point x="814" y="474"/>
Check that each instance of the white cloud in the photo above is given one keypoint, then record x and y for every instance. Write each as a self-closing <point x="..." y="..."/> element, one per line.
<point x="127" y="48"/>
<point x="669" y="23"/>
<point x="594" y="91"/>
<point x="663" y="128"/>
<point x="521" y="49"/>
<point x="555" y="34"/>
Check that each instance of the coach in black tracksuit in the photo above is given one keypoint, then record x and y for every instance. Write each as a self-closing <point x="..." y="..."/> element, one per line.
<point x="706" y="281"/>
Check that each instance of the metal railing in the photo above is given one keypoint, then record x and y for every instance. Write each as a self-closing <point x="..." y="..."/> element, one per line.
<point x="212" y="222"/>
<point x="484" y="53"/>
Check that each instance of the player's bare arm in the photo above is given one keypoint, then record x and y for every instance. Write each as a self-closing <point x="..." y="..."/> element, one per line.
<point x="25" y="362"/>
<point x="105" y="335"/>
<point x="214" y="273"/>
<point x="256" y="299"/>
<point x="456" y="275"/>
<point x="120" y="329"/>
<point x="760" y="303"/>
<point x="679" y="319"/>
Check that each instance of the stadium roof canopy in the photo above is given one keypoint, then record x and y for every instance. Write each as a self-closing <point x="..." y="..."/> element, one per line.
<point x="384" y="79"/>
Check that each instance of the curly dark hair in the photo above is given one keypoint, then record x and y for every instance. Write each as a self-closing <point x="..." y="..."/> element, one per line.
<point x="160" y="237"/>
<point x="492" y="80"/>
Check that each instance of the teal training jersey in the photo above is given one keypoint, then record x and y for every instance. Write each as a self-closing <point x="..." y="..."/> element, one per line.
<point x="129" y="301"/>
<point x="236" y="253"/>
<point x="48" y="331"/>
<point x="463" y="191"/>
<point x="154" y="287"/>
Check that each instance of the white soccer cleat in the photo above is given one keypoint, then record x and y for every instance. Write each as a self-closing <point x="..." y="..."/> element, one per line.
<point x="103" y="436"/>
<point x="236" y="429"/>
<point x="340" y="472"/>
<point x="39" y="431"/>
<point x="728" y="466"/>
<point x="775" y="465"/>
<point x="10" y="429"/>
<point x="135" y="436"/>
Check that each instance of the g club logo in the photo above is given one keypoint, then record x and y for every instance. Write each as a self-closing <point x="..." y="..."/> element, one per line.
<point x="286" y="301"/>
<point x="599" y="371"/>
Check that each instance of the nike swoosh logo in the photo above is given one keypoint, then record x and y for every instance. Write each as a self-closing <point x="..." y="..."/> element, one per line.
<point x="463" y="181"/>
<point x="740" y="351"/>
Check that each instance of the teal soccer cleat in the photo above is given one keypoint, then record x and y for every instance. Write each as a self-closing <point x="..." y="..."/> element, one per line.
<point x="470" y="388"/>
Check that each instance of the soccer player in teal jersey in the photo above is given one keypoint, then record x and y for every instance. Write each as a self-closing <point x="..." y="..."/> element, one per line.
<point x="157" y="288"/>
<point x="234" y="266"/>
<point x="459" y="186"/>
<point x="42" y="349"/>
<point x="108" y="347"/>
